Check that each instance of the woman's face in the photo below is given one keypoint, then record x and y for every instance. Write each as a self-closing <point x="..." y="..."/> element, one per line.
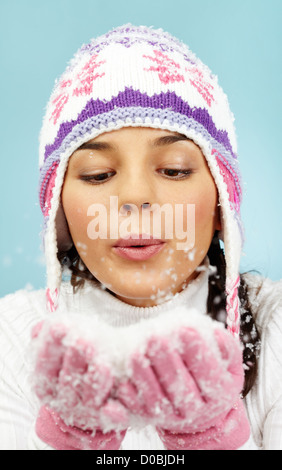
<point x="139" y="166"/>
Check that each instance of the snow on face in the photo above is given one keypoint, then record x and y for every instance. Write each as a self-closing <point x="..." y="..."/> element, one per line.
<point x="139" y="166"/>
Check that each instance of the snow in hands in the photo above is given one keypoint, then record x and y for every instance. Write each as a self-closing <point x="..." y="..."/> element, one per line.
<point x="89" y="372"/>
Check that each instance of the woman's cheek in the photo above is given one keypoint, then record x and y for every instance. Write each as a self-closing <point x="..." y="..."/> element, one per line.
<point x="205" y="214"/>
<point x="75" y="209"/>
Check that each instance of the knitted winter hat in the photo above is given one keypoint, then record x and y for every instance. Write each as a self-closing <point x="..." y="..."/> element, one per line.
<point x="139" y="76"/>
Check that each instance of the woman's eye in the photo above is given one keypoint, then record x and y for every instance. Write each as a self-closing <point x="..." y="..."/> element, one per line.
<point x="95" y="179"/>
<point x="173" y="172"/>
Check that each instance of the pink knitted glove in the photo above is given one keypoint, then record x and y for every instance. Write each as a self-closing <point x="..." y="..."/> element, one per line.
<point x="75" y="389"/>
<point x="189" y="388"/>
<point x="51" y="429"/>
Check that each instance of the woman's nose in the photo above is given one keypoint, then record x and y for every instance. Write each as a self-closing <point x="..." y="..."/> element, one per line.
<point x="131" y="207"/>
<point x="137" y="191"/>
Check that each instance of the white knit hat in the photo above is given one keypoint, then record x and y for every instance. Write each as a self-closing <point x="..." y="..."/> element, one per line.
<point x="143" y="77"/>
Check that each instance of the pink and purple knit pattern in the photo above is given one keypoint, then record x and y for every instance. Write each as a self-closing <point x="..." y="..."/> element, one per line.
<point x="184" y="92"/>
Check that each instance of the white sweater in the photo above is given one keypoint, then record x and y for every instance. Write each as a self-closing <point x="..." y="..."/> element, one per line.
<point x="20" y="311"/>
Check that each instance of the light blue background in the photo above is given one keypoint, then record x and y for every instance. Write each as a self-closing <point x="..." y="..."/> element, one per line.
<point x="240" y="40"/>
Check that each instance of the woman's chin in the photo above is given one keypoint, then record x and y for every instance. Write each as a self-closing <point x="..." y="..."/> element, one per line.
<point x="139" y="296"/>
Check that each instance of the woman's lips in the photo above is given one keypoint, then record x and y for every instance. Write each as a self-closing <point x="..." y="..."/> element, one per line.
<point x="138" y="253"/>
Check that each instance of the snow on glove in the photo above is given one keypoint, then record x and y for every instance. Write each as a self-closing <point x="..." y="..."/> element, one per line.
<point x="51" y="429"/>
<point x="75" y="388"/>
<point x="188" y="384"/>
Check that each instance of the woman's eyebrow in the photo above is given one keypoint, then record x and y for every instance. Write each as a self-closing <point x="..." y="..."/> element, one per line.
<point x="96" y="146"/>
<point x="160" y="141"/>
<point x="169" y="139"/>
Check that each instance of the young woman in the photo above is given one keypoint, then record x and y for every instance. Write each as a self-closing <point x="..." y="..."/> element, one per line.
<point x="150" y="337"/>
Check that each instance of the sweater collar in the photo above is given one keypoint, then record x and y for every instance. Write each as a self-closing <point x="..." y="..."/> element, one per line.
<point x="96" y="300"/>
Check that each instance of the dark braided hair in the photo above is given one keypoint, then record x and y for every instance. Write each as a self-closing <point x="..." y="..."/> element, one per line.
<point x="216" y="303"/>
<point x="216" y="308"/>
